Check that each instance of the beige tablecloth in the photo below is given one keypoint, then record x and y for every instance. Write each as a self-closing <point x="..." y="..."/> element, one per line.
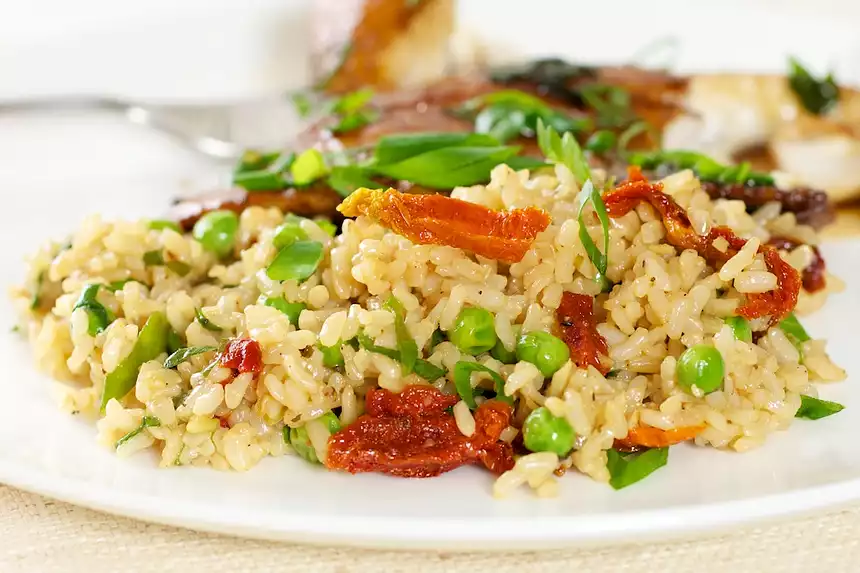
<point x="38" y="535"/>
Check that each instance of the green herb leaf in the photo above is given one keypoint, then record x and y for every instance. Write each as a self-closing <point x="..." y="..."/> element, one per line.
<point x="303" y="104"/>
<point x="740" y="328"/>
<point x="815" y="408"/>
<point x="564" y="150"/>
<point x="288" y="233"/>
<point x="118" y="285"/>
<point x="309" y="166"/>
<point x="612" y="104"/>
<point x="406" y="345"/>
<point x="448" y="167"/>
<point x="174" y="341"/>
<point x="589" y="194"/>
<point x="627" y="469"/>
<point x="397" y="148"/>
<point x="261" y="180"/>
<point x="347" y="178"/>
<point x="296" y="261"/>
<point x="184" y="354"/>
<point x="332" y="355"/>
<point x="36" y="300"/>
<point x="817" y="96"/>
<point x="205" y="322"/>
<point x="423" y="368"/>
<point x="703" y="166"/>
<point x="531" y="163"/>
<point x="255" y="160"/>
<point x="630" y="133"/>
<point x="99" y="316"/>
<point x="428" y="370"/>
<point x="147" y="422"/>
<point x="463" y="383"/>
<point x="353" y="111"/>
<point x="793" y="329"/>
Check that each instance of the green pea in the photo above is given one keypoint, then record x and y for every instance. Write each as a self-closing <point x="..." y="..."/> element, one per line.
<point x="543" y="432"/>
<point x="473" y="331"/>
<point x="216" y="231"/>
<point x="502" y="354"/>
<point x="601" y="141"/>
<point x="544" y="350"/>
<point x="332" y="355"/>
<point x="740" y="328"/>
<point x="291" y="309"/>
<point x="301" y="443"/>
<point x="702" y="366"/>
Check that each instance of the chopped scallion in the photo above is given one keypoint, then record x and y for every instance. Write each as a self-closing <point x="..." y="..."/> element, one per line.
<point x="183" y="354"/>
<point x="463" y="382"/>
<point x="627" y="469"/>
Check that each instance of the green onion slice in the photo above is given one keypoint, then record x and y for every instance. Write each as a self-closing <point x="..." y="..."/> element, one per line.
<point x="563" y="149"/>
<point x="627" y="469"/>
<point x="463" y="383"/>
<point x="423" y="368"/>
<point x="309" y="166"/>
<point x="406" y="345"/>
<point x="600" y="260"/>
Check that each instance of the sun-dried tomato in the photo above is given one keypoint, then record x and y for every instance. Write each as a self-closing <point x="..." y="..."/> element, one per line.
<point x="650" y="437"/>
<point x="243" y="354"/>
<point x="814" y="275"/>
<point x="438" y="220"/>
<point x="412" y="434"/>
<point x="780" y="301"/>
<point x="579" y="330"/>
<point x="680" y="233"/>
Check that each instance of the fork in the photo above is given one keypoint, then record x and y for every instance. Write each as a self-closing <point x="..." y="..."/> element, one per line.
<point x="220" y="131"/>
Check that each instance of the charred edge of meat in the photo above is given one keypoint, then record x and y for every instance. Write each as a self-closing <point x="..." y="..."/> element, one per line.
<point x="811" y="206"/>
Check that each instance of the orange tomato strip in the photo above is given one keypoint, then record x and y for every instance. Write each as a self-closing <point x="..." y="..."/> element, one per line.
<point x="680" y="233"/>
<point x="440" y="220"/>
<point x="411" y="434"/>
<point x="575" y="316"/>
<point x="650" y="437"/>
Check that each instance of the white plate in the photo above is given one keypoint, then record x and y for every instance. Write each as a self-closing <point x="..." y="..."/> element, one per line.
<point x="59" y="169"/>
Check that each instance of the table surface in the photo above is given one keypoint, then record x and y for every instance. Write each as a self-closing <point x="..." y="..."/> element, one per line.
<point x="41" y="535"/>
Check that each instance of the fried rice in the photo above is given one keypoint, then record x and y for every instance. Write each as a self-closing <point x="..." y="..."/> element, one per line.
<point x="202" y="413"/>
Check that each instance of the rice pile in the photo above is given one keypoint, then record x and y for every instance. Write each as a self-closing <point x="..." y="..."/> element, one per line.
<point x="664" y="301"/>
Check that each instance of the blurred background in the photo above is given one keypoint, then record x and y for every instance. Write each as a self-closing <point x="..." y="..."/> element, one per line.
<point x="224" y="49"/>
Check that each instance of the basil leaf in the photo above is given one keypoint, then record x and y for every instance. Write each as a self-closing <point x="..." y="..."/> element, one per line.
<point x="184" y="354"/>
<point x="448" y="167"/>
<point x="703" y="166"/>
<point x="99" y="316"/>
<point x="815" y="408"/>
<point x="147" y="422"/>
<point x="291" y="309"/>
<point x="501" y="122"/>
<point x="627" y="469"/>
<point x="309" y="166"/>
<point x="509" y="113"/>
<point x="406" y="345"/>
<point x="612" y="104"/>
<point x="347" y="178"/>
<point x="817" y="96"/>
<point x="563" y="149"/>
<point x="396" y="148"/>
<point x="463" y="383"/>
<point x="296" y="261"/>
<point x="599" y="259"/>
<point x="205" y="322"/>
<point x="262" y="180"/>
<point x="255" y="160"/>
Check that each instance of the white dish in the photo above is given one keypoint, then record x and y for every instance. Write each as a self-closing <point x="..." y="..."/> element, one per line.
<point x="811" y="466"/>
